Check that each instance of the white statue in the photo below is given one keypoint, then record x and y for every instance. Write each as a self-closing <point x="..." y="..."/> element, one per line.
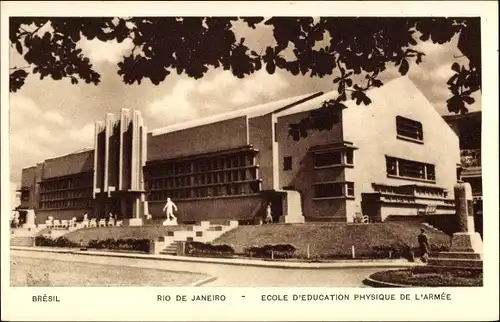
<point x="85" y="217"/>
<point x="169" y="208"/>
<point x="269" y="216"/>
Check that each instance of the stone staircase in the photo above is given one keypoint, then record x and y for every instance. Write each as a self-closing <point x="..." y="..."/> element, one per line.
<point x="456" y="260"/>
<point x="23" y="241"/>
<point x="204" y="232"/>
<point x="171" y="249"/>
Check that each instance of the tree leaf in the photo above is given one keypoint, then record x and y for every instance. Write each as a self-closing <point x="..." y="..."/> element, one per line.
<point x="270" y="67"/>
<point x="455" y="67"/>
<point x="468" y="99"/>
<point x="377" y="82"/>
<point x="404" y="67"/>
<point x="19" y="47"/>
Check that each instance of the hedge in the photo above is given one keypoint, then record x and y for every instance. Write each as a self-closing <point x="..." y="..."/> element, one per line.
<point x="194" y="248"/>
<point x="395" y="251"/>
<point x="431" y="276"/>
<point x="271" y="251"/>
<point x="142" y="245"/>
<point x="58" y="242"/>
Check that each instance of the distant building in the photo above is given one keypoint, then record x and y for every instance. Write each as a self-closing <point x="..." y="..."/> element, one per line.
<point x="395" y="157"/>
<point x="468" y="129"/>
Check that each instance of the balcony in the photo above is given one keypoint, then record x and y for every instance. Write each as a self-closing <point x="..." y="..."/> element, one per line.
<point x="470" y="157"/>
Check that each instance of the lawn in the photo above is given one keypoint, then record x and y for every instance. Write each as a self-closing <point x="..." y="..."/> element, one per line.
<point x="333" y="240"/>
<point x="125" y="232"/>
<point x="44" y="272"/>
<point x="431" y="277"/>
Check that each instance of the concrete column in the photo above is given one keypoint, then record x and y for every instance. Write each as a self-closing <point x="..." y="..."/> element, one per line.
<point x="461" y="207"/>
<point x="275" y="153"/>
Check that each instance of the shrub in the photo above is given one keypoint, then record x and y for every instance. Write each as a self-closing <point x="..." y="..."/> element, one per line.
<point x="270" y="251"/>
<point x="194" y="248"/>
<point x="58" y="242"/>
<point x="142" y="245"/>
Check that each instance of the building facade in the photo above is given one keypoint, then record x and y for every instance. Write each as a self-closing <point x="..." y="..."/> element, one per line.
<point x="395" y="157"/>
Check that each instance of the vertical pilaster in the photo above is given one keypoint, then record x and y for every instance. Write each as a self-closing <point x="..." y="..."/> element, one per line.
<point x="109" y="129"/>
<point x="275" y="153"/>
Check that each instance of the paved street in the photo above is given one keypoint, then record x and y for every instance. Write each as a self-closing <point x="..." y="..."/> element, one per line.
<point x="229" y="275"/>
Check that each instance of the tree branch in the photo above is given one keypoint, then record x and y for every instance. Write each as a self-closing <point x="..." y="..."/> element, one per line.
<point x="16" y="68"/>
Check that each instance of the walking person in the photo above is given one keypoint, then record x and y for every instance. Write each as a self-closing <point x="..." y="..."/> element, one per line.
<point x="423" y="243"/>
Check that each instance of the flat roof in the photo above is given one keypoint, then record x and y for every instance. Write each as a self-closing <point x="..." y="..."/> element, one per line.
<point x="253" y="111"/>
<point x="71" y="153"/>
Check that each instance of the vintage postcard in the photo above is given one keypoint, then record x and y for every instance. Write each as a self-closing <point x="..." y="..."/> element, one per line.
<point x="249" y="161"/>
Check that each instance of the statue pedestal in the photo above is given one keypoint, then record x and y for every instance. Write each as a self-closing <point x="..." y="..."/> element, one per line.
<point x="170" y="222"/>
<point x="465" y="252"/>
<point x="30" y="219"/>
<point x="135" y="222"/>
<point x="467" y="242"/>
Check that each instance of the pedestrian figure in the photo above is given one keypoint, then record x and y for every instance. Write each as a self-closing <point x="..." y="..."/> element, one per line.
<point x="169" y="208"/>
<point x="269" y="216"/>
<point x="423" y="243"/>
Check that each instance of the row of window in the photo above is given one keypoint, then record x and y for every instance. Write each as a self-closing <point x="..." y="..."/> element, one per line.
<point x="203" y="165"/>
<point x="210" y="178"/>
<point x="66" y="194"/>
<point x="325" y="159"/>
<point x="334" y="189"/>
<point x="233" y="189"/>
<point x="84" y="180"/>
<point x="410" y="169"/>
<point x="63" y="204"/>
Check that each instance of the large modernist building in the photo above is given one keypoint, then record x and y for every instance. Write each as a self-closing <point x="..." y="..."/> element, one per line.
<point x="395" y="157"/>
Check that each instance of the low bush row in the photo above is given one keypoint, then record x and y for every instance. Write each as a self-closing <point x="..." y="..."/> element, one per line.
<point x="142" y="245"/>
<point x="271" y="251"/>
<point x="398" y="251"/>
<point x="57" y="242"/>
<point x="194" y="248"/>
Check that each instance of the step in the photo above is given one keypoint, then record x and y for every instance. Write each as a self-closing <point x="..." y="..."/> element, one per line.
<point x="457" y="255"/>
<point x="21" y="241"/>
<point x="171" y="249"/>
<point x="455" y="262"/>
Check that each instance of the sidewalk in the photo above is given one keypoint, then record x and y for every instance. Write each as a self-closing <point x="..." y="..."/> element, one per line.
<point x="397" y="263"/>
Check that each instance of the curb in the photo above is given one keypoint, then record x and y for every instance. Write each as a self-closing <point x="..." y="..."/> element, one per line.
<point x="285" y="265"/>
<point x="204" y="281"/>
<point x="379" y="284"/>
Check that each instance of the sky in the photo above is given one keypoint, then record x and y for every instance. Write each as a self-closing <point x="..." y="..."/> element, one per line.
<point x="50" y="118"/>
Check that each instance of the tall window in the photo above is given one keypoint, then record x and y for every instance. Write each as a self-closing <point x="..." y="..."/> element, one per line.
<point x="410" y="169"/>
<point x="333" y="158"/>
<point x="25" y="194"/>
<point x="334" y="190"/>
<point x="287" y="163"/>
<point x="409" y="129"/>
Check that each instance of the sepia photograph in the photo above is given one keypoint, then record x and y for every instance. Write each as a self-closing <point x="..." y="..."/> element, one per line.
<point x="182" y="138"/>
<point x="248" y="151"/>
